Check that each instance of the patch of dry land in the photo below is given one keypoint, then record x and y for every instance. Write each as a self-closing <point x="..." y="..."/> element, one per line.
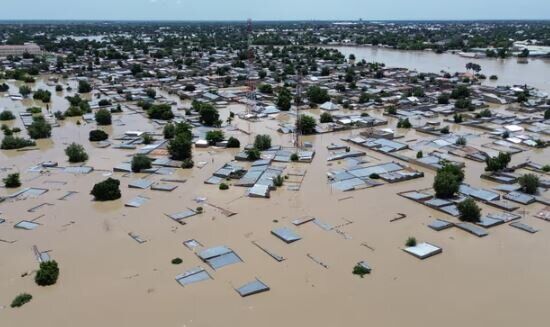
<point x="108" y="278"/>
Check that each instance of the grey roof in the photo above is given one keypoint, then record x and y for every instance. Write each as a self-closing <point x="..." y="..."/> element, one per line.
<point x="78" y="169"/>
<point x="178" y="216"/>
<point x="193" y="275"/>
<point x="29" y="192"/>
<point x="251" y="288"/>
<point x="417" y="196"/>
<point x="259" y="191"/>
<point x="488" y="222"/>
<point x="219" y="256"/>
<point x="136" y="202"/>
<point x="140" y="183"/>
<point x="438" y="203"/>
<point x="25" y="224"/>
<point x="214" y="252"/>
<point x="472" y="229"/>
<point x="524" y="227"/>
<point x="163" y="187"/>
<point x="423" y="250"/>
<point x="440" y="224"/>
<point x="286" y="234"/>
<point x="520" y="197"/>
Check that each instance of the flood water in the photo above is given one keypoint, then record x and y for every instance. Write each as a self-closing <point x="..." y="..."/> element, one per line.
<point x="509" y="72"/>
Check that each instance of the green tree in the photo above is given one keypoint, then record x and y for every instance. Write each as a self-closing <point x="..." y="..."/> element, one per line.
<point x="76" y="153"/>
<point x="180" y="148"/>
<point x="317" y="95"/>
<point x="498" y="163"/>
<point x="12" y="181"/>
<point x="469" y="211"/>
<point x="306" y="124"/>
<point x="103" y="117"/>
<point x="6" y="115"/>
<point x="160" y="111"/>
<point x="20" y="300"/>
<point x="262" y="142"/>
<point x="106" y="190"/>
<point x="233" y="142"/>
<point x="529" y="183"/>
<point x="326" y="118"/>
<point x="24" y="90"/>
<point x="47" y="274"/>
<point x="97" y="135"/>
<point x="140" y="162"/>
<point x="447" y="181"/>
<point x="39" y="128"/>
<point x="84" y="87"/>
<point x="284" y="100"/>
<point x="214" y="136"/>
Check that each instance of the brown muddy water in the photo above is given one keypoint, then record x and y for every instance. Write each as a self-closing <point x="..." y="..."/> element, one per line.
<point x="509" y="71"/>
<point x="108" y="279"/>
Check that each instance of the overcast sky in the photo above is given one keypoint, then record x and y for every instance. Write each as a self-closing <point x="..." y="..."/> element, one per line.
<point x="274" y="9"/>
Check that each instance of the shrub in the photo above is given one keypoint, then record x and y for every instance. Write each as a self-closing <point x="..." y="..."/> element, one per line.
<point x="419" y="155"/>
<point x="180" y="148"/>
<point x="169" y="131"/>
<point x="493" y="77"/>
<point x="187" y="164"/>
<point x="411" y="241"/>
<point x="43" y="95"/>
<point x="443" y="99"/>
<point x="284" y="100"/>
<point x="461" y="141"/>
<point x="20" y="300"/>
<point x="266" y="89"/>
<point x="253" y="154"/>
<point x="107" y="190"/>
<point x="294" y="157"/>
<point x="306" y="125"/>
<point x="278" y="181"/>
<point x="374" y="176"/>
<point x="547" y="114"/>
<point x="14" y="142"/>
<point x="25" y="90"/>
<point x="59" y="115"/>
<point x="6" y="115"/>
<point x="39" y="129"/>
<point x="326" y="118"/>
<point x="445" y="130"/>
<point x="140" y="162"/>
<point x="12" y="181"/>
<point x="98" y="135"/>
<point x="360" y="270"/>
<point x="34" y="110"/>
<point x="209" y="115"/>
<point x="214" y="137"/>
<point x="76" y="153"/>
<point x="546" y="168"/>
<point x="177" y="261"/>
<point x="498" y="163"/>
<point x="391" y="110"/>
<point x="160" y="111"/>
<point x="151" y="93"/>
<point x="404" y="123"/>
<point x="4" y="87"/>
<point x="84" y="87"/>
<point x="447" y="181"/>
<point x="58" y="88"/>
<point x="147" y="139"/>
<point x="73" y="111"/>
<point x="103" y="117"/>
<point x="458" y="118"/>
<point x="224" y="186"/>
<point x="233" y="142"/>
<point x="469" y="211"/>
<point x="529" y="183"/>
<point x="262" y="142"/>
<point x="47" y="274"/>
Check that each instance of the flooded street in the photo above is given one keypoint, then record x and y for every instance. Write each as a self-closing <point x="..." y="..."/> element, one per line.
<point x="509" y="72"/>
<point x="108" y="279"/>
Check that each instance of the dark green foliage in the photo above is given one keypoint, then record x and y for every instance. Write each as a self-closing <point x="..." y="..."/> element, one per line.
<point x="169" y="131"/>
<point x="447" y="181"/>
<point x="419" y="155"/>
<point x="411" y="241"/>
<point x="25" y="90"/>
<point x="98" y="135"/>
<point x="177" y="261"/>
<point x="284" y="100"/>
<point x="445" y="130"/>
<point x="73" y="111"/>
<point x="187" y="164"/>
<point x="4" y="87"/>
<point x="223" y="186"/>
<point x="460" y="92"/>
<point x="59" y="115"/>
<point x="84" y="87"/>
<point x="404" y="123"/>
<point x="12" y="181"/>
<point x="306" y="124"/>
<point x="160" y="111"/>
<point x="140" y="162"/>
<point x="294" y="157"/>
<point x="103" y="117"/>
<point x="547" y="114"/>
<point x="360" y="270"/>
<point x="262" y="142"/>
<point x="464" y="103"/>
<point x="151" y="93"/>
<point x="391" y="110"/>
<point x="461" y="141"/>
<point x="278" y="181"/>
<point x="47" y="274"/>
<point x="14" y="142"/>
<point x="326" y="118"/>
<point x="58" y="88"/>
<point x="209" y="115"/>
<point x="265" y="89"/>
<point x="253" y="154"/>
<point x="374" y="176"/>
<point x="39" y="129"/>
<point x="233" y="142"/>
<point x="484" y="113"/>
<point x="499" y="162"/>
<point x="107" y="190"/>
<point x="34" y="110"/>
<point x="6" y="115"/>
<point x="443" y="99"/>
<point x="529" y="183"/>
<point x="469" y="211"/>
<point x="43" y="95"/>
<point x="147" y="139"/>
<point x="317" y="95"/>
<point x="214" y="137"/>
<point x="180" y="148"/>
<point x="458" y="118"/>
<point x="76" y="153"/>
<point x="20" y="300"/>
<point x="104" y="103"/>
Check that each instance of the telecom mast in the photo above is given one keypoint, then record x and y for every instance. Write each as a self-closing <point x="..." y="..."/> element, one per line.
<point x="251" y="83"/>
<point x="298" y="102"/>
